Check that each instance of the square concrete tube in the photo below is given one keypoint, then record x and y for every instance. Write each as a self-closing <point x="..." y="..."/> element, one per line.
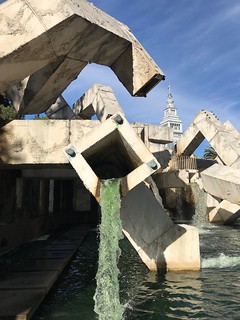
<point x="112" y="150"/>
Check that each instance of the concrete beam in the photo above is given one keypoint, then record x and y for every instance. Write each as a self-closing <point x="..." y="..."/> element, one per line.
<point x="189" y="141"/>
<point x="172" y="179"/>
<point x="222" y="182"/>
<point x="25" y="142"/>
<point x="57" y="40"/>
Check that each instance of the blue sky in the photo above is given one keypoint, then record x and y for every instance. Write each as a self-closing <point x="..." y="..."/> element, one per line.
<point x="197" y="45"/>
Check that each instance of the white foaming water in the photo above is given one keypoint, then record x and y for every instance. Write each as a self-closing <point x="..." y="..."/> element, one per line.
<point x="222" y="261"/>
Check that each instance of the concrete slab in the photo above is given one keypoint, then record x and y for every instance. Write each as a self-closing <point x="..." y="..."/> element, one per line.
<point x="51" y="255"/>
<point x="63" y="240"/>
<point x="42" y="265"/>
<point x="60" y="247"/>
<point x="29" y="280"/>
<point x="23" y="288"/>
<point x="19" y="304"/>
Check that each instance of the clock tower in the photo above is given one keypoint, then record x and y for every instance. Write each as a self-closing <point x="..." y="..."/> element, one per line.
<point x="171" y="118"/>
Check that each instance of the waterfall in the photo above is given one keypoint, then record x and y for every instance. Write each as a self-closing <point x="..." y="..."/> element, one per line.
<point x="107" y="303"/>
<point x="200" y="198"/>
<point x="179" y="203"/>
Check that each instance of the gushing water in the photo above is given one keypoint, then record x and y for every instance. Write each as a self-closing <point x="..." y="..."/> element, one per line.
<point x="107" y="303"/>
<point x="200" y="196"/>
<point x="223" y="261"/>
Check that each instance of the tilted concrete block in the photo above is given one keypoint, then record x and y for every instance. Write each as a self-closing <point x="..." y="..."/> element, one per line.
<point x="159" y="134"/>
<point x="189" y="141"/>
<point x="222" y="182"/>
<point x="225" y="213"/>
<point x="159" y="242"/>
<point x="112" y="150"/>
<point x="61" y="110"/>
<point x="212" y="201"/>
<point x="99" y="100"/>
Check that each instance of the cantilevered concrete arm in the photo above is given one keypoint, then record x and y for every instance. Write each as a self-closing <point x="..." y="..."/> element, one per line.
<point x="59" y="38"/>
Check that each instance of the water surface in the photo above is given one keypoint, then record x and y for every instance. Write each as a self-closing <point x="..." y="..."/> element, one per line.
<point x="212" y="293"/>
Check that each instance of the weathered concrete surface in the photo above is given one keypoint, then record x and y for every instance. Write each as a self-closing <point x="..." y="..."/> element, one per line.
<point x="159" y="243"/>
<point x="222" y="182"/>
<point x="212" y="202"/>
<point x="225" y="213"/>
<point x="99" y="100"/>
<point x="222" y="137"/>
<point x="42" y="142"/>
<point x="61" y="110"/>
<point x="57" y="40"/>
<point x="172" y="179"/>
<point x="231" y="129"/>
<point x="112" y="150"/>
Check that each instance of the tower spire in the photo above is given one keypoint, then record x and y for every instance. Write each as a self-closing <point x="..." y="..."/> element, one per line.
<point x="171" y="118"/>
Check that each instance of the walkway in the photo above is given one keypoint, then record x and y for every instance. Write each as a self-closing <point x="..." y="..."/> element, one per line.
<point x="28" y="273"/>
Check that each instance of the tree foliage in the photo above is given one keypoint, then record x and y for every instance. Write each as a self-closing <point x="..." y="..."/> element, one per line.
<point x="209" y="153"/>
<point x="40" y="117"/>
<point x="7" y="111"/>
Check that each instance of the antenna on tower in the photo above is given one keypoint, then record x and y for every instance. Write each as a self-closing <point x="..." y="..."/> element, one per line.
<point x="169" y="88"/>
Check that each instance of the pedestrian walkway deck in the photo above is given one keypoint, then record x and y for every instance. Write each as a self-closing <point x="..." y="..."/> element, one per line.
<point x="28" y="273"/>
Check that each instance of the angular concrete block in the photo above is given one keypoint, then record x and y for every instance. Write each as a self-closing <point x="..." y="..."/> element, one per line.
<point x="212" y="201"/>
<point x="222" y="182"/>
<point x="225" y="213"/>
<point x="159" y="134"/>
<point x="54" y="41"/>
<point x="99" y="100"/>
<point x="160" y="244"/>
<point x="60" y="110"/>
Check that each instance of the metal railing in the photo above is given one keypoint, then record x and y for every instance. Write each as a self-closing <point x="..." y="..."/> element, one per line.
<point x="183" y="162"/>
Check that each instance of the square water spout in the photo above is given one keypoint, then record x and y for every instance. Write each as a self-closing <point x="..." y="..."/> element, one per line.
<point x="112" y="150"/>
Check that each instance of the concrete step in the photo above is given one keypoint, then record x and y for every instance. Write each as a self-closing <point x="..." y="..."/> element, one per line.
<point x="25" y="285"/>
